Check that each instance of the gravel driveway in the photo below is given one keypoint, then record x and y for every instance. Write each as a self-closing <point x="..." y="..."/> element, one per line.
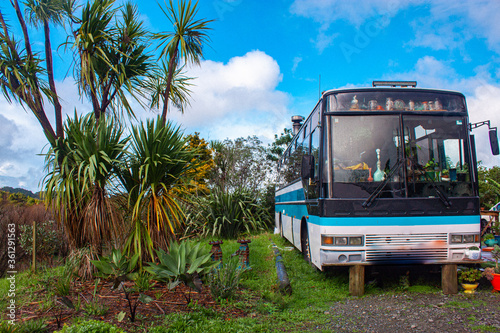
<point x="414" y="312"/>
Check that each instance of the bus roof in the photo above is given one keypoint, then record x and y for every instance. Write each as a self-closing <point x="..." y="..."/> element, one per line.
<point x="372" y="89"/>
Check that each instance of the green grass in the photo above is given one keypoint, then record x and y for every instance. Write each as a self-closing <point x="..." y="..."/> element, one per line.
<point x="29" y="284"/>
<point x="307" y="308"/>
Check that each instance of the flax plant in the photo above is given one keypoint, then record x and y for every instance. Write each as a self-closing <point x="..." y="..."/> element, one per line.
<point x="155" y="177"/>
<point x="80" y="169"/>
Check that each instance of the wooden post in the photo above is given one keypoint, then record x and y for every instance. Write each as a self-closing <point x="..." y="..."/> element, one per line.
<point x="449" y="281"/>
<point x="33" y="265"/>
<point x="357" y="280"/>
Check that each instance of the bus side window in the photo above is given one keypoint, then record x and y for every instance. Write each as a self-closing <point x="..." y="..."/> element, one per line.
<point x="315" y="150"/>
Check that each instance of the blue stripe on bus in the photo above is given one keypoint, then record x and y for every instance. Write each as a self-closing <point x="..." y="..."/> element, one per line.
<point x="300" y="210"/>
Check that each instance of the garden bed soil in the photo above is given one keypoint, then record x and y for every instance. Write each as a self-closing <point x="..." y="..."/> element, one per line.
<point x="164" y="302"/>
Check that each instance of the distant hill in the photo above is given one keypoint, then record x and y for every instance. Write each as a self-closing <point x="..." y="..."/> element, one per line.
<point x="22" y="191"/>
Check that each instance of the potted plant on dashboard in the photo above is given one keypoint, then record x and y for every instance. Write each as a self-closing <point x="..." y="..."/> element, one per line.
<point x="469" y="278"/>
<point x="430" y="169"/>
<point x="462" y="172"/>
<point x="493" y="273"/>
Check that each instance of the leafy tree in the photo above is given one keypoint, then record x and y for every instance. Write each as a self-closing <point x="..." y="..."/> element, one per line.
<point x="240" y="164"/>
<point x="489" y="191"/>
<point x="184" y="42"/>
<point x="43" y="12"/>
<point x="21" y="70"/>
<point x="278" y="147"/>
<point x="204" y="164"/>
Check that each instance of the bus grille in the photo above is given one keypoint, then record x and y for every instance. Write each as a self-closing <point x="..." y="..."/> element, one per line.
<point x="413" y="248"/>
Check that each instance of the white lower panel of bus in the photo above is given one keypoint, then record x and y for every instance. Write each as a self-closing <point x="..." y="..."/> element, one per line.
<point x="291" y="230"/>
<point x="387" y="244"/>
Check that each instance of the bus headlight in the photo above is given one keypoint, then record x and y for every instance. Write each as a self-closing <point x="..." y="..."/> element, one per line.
<point x="341" y="240"/>
<point x="356" y="241"/>
<point x="464" y="238"/>
<point x="331" y="240"/>
<point x="468" y="238"/>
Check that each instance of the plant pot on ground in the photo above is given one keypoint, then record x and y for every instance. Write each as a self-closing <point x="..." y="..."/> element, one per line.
<point x="469" y="278"/>
<point x="493" y="273"/>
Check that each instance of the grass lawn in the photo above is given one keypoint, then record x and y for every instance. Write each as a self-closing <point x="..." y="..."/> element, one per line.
<point x="257" y="307"/>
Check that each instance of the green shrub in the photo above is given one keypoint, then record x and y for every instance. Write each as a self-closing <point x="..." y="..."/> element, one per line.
<point x="469" y="275"/>
<point x="94" y="308"/>
<point x="63" y="285"/>
<point x="143" y="282"/>
<point x="224" y="281"/>
<point x="91" y="326"/>
<point x="228" y="214"/>
<point x="32" y="326"/>
<point x="48" y="240"/>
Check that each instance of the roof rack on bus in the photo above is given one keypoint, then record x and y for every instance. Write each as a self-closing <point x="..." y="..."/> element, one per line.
<point x="403" y="84"/>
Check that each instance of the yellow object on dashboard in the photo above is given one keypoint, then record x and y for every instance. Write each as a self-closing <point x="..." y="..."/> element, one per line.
<point x="359" y="166"/>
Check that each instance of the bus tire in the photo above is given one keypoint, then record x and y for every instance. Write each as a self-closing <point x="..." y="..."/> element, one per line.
<point x="304" y="240"/>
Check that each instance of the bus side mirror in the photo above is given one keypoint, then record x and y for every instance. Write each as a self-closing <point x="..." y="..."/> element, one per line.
<point x="494" y="141"/>
<point x="307" y="170"/>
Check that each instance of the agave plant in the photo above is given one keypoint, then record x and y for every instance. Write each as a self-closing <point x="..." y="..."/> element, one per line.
<point x="117" y="266"/>
<point x="184" y="263"/>
<point x="80" y="168"/>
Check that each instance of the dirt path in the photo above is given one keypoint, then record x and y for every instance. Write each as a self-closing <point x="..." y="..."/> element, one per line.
<point x="412" y="312"/>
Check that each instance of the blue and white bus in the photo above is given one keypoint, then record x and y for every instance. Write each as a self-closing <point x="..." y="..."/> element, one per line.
<point x="382" y="175"/>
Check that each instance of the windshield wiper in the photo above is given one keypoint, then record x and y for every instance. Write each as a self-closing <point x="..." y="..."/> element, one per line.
<point x="439" y="192"/>
<point x="368" y="202"/>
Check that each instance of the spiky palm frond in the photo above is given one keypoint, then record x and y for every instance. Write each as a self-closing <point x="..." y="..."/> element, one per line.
<point x="184" y="42"/>
<point x="157" y="170"/>
<point x="189" y="34"/>
<point x="80" y="167"/>
<point x="156" y="84"/>
<point x="40" y="11"/>
<point x="110" y="55"/>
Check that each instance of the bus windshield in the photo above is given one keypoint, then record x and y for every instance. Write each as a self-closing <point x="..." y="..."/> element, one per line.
<point x="415" y="155"/>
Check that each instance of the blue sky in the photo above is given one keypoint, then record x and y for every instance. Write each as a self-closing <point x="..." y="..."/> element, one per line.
<point x="265" y="59"/>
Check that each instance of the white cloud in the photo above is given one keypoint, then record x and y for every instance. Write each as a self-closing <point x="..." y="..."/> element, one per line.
<point x="296" y="62"/>
<point x="231" y="100"/>
<point x="22" y="139"/>
<point x="236" y="99"/>
<point x="484" y="105"/>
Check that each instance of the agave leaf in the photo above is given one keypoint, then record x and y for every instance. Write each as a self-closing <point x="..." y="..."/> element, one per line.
<point x="173" y="284"/>
<point x="103" y="267"/>
<point x="133" y="262"/>
<point x="145" y="298"/>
